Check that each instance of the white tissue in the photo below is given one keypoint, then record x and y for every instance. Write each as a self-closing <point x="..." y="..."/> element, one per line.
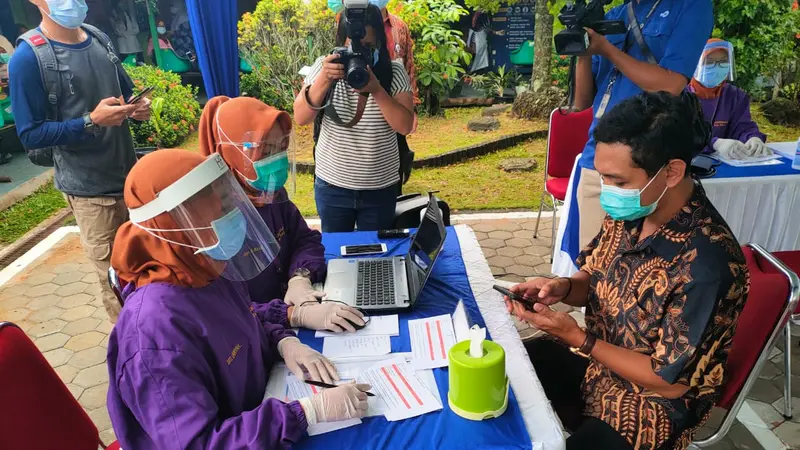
<point x="476" y="337"/>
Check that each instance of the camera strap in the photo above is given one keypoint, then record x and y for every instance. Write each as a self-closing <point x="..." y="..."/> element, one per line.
<point x="360" y="107"/>
<point x="635" y="28"/>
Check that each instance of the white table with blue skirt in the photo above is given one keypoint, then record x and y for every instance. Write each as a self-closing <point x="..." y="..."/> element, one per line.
<point x="761" y="204"/>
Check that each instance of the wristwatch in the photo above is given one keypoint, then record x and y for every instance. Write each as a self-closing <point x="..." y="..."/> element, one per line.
<point x="585" y="350"/>
<point x="88" y="125"/>
<point x="302" y="272"/>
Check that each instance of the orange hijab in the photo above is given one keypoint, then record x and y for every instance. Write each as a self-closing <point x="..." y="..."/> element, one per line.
<point x="142" y="258"/>
<point x="236" y="117"/>
<point x="702" y="91"/>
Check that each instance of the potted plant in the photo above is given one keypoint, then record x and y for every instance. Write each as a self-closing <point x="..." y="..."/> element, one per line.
<point x="498" y="82"/>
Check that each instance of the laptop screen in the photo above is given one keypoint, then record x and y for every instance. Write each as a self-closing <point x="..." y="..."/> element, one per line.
<point x="427" y="242"/>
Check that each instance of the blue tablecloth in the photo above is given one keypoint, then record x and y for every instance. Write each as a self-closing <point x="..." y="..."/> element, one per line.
<point x="442" y="429"/>
<point x="570" y="241"/>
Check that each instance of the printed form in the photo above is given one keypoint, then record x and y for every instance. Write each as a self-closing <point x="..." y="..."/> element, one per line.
<point x="431" y="340"/>
<point x="296" y="389"/>
<point x="402" y="393"/>
<point x="349" y="346"/>
<point x="377" y="326"/>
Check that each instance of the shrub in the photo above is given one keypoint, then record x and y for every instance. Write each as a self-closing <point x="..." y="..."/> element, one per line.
<point x="179" y="113"/>
<point x="277" y="40"/>
<point x="782" y="111"/>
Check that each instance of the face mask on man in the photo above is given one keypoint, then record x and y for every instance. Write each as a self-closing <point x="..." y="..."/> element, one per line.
<point x="626" y="204"/>
<point x="67" y="13"/>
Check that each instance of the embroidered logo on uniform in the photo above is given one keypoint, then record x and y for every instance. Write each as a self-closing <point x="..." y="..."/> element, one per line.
<point x="280" y="234"/>
<point x="720" y="123"/>
<point x="665" y="14"/>
<point x="234" y="353"/>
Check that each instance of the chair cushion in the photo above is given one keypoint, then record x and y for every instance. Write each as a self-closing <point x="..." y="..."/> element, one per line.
<point x="557" y="187"/>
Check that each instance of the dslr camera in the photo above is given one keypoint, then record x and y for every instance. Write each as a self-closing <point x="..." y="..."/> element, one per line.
<point x="357" y="58"/>
<point x="577" y="15"/>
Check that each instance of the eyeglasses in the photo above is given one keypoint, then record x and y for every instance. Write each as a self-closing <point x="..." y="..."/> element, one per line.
<point x="720" y="64"/>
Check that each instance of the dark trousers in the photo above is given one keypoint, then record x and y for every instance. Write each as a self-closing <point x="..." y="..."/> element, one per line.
<point x="340" y="209"/>
<point x="561" y="373"/>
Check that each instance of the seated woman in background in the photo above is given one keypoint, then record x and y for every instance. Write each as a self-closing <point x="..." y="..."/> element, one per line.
<point x="163" y="41"/>
<point x="358" y="164"/>
<point x="190" y="355"/>
<point x="253" y="139"/>
<point x="735" y="134"/>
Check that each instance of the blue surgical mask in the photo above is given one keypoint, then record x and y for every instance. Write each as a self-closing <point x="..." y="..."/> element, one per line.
<point x="271" y="173"/>
<point x="161" y="30"/>
<point x="379" y="3"/>
<point x="336" y="6"/>
<point x="626" y="204"/>
<point x="714" y="76"/>
<point x="68" y="13"/>
<point x="231" y="230"/>
<point x="376" y="56"/>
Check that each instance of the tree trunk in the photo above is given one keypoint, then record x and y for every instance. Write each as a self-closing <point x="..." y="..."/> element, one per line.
<point x="543" y="46"/>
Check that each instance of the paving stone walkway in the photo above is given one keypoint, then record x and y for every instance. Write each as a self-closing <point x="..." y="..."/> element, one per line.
<point x="56" y="301"/>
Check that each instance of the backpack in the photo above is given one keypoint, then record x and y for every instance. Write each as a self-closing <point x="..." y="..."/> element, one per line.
<point x="51" y="80"/>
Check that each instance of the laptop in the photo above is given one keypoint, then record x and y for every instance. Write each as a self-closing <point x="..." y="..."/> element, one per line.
<point x="389" y="283"/>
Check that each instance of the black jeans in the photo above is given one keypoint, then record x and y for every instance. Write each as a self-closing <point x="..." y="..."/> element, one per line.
<point x="561" y="373"/>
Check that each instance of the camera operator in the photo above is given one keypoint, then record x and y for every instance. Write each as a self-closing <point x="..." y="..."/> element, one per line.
<point x="618" y="66"/>
<point x="357" y="163"/>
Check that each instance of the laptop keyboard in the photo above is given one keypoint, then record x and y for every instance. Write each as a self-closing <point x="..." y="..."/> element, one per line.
<point x="375" y="283"/>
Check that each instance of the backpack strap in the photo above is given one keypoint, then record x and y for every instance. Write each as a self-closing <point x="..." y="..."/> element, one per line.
<point x="105" y="41"/>
<point x="49" y="68"/>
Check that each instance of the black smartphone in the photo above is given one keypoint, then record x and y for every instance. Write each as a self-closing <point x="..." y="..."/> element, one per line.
<point x="141" y="95"/>
<point x="525" y="301"/>
<point x="393" y="234"/>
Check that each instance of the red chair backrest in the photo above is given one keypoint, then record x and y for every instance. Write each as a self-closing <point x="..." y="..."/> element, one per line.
<point x="567" y="137"/>
<point x="762" y="313"/>
<point x="37" y="411"/>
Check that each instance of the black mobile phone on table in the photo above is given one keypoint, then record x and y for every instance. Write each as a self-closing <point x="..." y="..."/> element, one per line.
<point x="526" y="302"/>
<point x="393" y="234"/>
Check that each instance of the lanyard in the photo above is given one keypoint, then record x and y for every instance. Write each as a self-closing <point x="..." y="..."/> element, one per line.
<point x="601" y="110"/>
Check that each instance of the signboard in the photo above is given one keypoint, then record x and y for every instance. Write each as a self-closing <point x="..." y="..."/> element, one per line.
<point x="517" y="24"/>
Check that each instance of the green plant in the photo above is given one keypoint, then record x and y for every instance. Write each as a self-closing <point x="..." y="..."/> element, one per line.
<point x="560" y="71"/>
<point x="791" y="91"/>
<point x="489" y="6"/>
<point x="278" y="39"/>
<point x="502" y="79"/>
<point x="440" y="55"/>
<point x="175" y="108"/>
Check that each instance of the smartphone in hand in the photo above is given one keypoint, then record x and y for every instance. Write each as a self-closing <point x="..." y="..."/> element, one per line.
<point x="526" y="302"/>
<point x="141" y="95"/>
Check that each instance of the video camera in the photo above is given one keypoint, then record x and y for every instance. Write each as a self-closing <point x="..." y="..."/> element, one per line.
<point x="357" y="58"/>
<point x="577" y="15"/>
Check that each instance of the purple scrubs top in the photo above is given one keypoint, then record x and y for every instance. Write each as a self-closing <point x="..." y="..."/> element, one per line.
<point x="188" y="369"/>
<point x="730" y="116"/>
<point x="301" y="247"/>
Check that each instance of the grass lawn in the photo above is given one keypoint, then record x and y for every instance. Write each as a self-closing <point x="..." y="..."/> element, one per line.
<point x="30" y="212"/>
<point x="476" y="184"/>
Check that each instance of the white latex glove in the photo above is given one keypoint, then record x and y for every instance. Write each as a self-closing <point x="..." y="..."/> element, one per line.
<point x="731" y="149"/>
<point x="331" y="316"/>
<point x="301" y="358"/>
<point x="758" y="147"/>
<point x="348" y="401"/>
<point x="301" y="291"/>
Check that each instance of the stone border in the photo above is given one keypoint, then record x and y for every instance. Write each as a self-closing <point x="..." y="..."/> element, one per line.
<point x="25" y="189"/>
<point x="9" y="254"/>
<point x="459" y="154"/>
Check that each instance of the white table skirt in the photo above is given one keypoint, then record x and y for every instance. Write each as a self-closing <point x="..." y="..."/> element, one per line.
<point x="760" y="210"/>
<point x="540" y="418"/>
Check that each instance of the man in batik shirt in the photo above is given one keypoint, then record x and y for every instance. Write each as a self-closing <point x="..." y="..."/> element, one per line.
<point x="663" y="285"/>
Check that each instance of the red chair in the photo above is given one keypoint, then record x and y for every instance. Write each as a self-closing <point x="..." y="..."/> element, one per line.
<point x="567" y="137"/>
<point x="774" y="293"/>
<point x="792" y="260"/>
<point x="38" y="412"/>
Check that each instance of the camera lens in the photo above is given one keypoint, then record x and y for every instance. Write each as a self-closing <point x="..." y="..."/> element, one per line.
<point x="357" y="75"/>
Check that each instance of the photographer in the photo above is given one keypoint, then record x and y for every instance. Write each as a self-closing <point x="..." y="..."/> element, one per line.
<point x="618" y="66"/>
<point x="357" y="161"/>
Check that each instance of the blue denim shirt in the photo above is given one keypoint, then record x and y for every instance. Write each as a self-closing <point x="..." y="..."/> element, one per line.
<point x="676" y="33"/>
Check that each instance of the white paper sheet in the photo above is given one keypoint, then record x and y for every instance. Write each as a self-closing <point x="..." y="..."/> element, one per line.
<point x="431" y="340"/>
<point x="401" y="393"/>
<point x="377" y="326"/>
<point x="753" y="161"/>
<point x="296" y="389"/>
<point x="343" y="346"/>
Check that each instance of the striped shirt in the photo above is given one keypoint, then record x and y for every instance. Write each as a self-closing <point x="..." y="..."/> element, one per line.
<point x="364" y="157"/>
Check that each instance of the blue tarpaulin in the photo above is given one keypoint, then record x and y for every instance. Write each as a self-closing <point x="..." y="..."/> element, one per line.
<point x="215" y="39"/>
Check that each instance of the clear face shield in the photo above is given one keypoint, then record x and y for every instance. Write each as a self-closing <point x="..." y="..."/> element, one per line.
<point x="716" y="65"/>
<point x="216" y="218"/>
<point x="265" y="160"/>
